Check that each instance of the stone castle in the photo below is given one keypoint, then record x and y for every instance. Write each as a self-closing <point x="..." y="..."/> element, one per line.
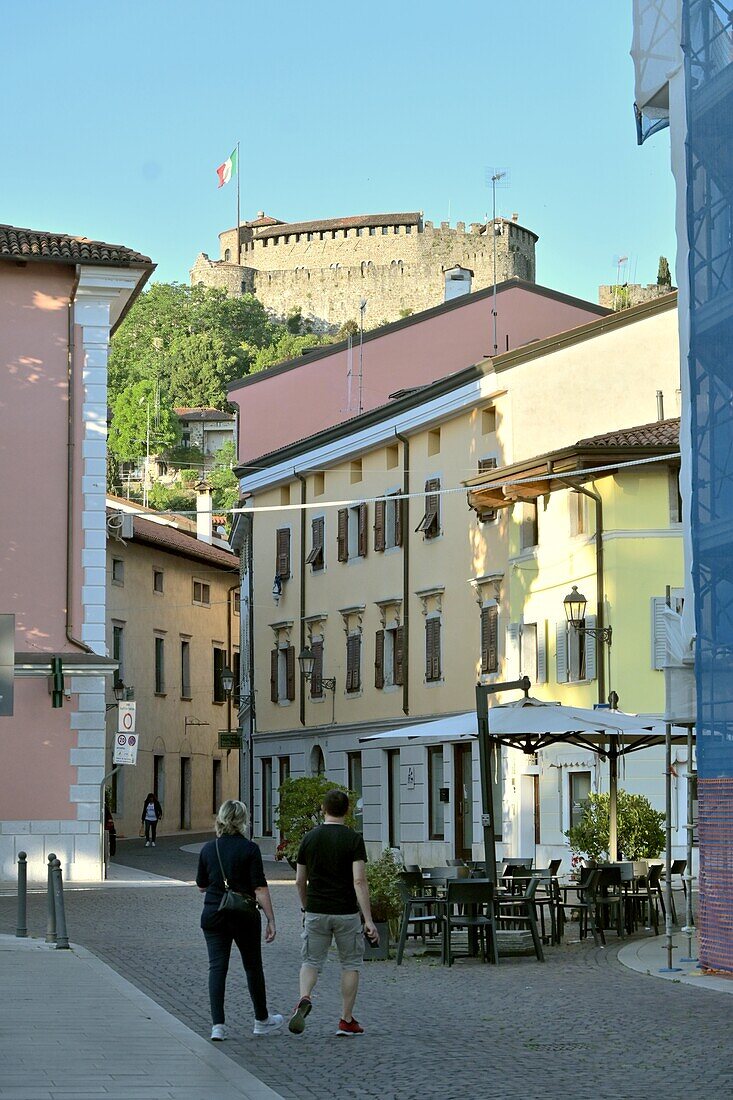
<point x="397" y="263"/>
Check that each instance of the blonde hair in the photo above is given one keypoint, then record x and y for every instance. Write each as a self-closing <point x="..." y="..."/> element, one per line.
<point x="232" y="818"/>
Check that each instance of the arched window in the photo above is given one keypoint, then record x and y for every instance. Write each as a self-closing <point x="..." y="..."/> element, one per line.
<point x="227" y="255"/>
<point x="318" y="762"/>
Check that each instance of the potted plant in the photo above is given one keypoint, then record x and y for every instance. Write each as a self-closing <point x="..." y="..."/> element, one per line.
<point x="299" y="811"/>
<point x="640" y="828"/>
<point x="386" y="902"/>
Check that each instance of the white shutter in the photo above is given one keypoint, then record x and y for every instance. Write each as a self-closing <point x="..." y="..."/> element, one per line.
<point x="561" y="652"/>
<point x="542" y="651"/>
<point x="659" y="634"/>
<point x="590" y="649"/>
<point x="511" y="655"/>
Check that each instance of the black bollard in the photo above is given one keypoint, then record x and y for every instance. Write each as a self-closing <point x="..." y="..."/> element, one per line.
<point x="21" y="929"/>
<point x="62" y="938"/>
<point x="51" y="905"/>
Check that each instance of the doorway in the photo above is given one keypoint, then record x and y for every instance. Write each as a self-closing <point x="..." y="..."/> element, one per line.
<point x="529" y="815"/>
<point x="185" y="815"/>
<point x="463" y="787"/>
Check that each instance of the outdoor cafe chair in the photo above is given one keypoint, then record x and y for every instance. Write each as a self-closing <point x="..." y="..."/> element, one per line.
<point x="679" y="866"/>
<point x="519" y="911"/>
<point x="470" y="905"/>
<point x="421" y="912"/>
<point x="649" y="898"/>
<point x="610" y="901"/>
<point x="583" y="903"/>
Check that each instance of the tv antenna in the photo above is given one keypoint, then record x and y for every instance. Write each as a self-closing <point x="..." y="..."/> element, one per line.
<point x="362" y="310"/>
<point x="495" y="177"/>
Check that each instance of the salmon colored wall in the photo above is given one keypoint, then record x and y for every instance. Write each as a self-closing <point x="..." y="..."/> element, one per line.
<point x="281" y="408"/>
<point x="33" y="444"/>
<point x="36" y="774"/>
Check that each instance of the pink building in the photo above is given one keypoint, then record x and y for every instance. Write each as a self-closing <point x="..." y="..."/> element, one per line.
<point x="329" y="385"/>
<point x="61" y="297"/>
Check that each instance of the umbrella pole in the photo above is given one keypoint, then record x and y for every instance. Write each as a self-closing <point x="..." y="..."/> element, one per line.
<point x="486" y="752"/>
<point x="613" y="799"/>
<point x="668" y="851"/>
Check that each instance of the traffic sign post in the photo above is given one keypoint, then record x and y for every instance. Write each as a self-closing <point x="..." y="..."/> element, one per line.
<point x="125" y="751"/>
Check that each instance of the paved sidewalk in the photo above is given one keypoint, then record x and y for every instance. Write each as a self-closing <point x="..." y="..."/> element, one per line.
<point x="649" y="956"/>
<point x="73" y="1029"/>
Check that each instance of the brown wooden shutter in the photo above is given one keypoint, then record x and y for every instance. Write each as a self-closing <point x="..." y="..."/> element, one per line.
<point x="274" y="655"/>
<point x="430" y="523"/>
<point x="316" y="678"/>
<point x="315" y="558"/>
<point x="432" y="649"/>
<point x="342" y="534"/>
<point x="290" y="671"/>
<point x="380" y="510"/>
<point x="353" y="661"/>
<point x="398" y="655"/>
<point x="379" y="660"/>
<point x="489" y="639"/>
<point x="398" y="514"/>
<point x="485" y="464"/>
<point x="362" y="536"/>
<point x="282" y="566"/>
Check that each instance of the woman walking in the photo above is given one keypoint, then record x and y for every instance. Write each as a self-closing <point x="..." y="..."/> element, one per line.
<point x="231" y="862"/>
<point x="151" y="815"/>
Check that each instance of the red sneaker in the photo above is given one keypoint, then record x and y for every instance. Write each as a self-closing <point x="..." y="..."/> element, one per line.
<point x="353" y="1027"/>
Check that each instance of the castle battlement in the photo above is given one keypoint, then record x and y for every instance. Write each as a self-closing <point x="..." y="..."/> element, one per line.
<point x="396" y="261"/>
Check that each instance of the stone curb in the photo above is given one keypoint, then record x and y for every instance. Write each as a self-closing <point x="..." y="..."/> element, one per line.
<point x="649" y="956"/>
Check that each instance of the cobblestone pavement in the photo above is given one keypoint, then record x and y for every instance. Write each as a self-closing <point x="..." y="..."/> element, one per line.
<point x="579" y="1026"/>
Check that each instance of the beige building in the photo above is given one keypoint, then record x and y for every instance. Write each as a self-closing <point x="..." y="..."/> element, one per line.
<point x="404" y="603"/>
<point x="173" y="626"/>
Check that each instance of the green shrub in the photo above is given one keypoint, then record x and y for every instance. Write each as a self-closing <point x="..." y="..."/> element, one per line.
<point x="299" y="810"/>
<point x="382" y="876"/>
<point x="639" y="827"/>
<point x="190" y="477"/>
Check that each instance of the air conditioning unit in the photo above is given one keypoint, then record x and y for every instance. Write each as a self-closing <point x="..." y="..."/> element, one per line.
<point x="126" y="530"/>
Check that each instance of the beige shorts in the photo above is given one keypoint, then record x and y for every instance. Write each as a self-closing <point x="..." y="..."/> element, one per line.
<point x="319" y="929"/>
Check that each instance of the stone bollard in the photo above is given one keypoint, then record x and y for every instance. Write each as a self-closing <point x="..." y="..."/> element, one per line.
<point x="21" y="928"/>
<point x="62" y="938"/>
<point x="50" y="903"/>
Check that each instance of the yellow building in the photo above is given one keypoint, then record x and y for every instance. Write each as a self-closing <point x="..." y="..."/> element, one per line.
<point x="358" y="546"/>
<point x="173" y="626"/>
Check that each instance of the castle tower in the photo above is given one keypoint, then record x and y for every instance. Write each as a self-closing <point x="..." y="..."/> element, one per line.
<point x="397" y="262"/>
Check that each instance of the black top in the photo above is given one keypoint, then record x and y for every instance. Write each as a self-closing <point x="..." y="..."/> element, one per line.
<point x="328" y="853"/>
<point x="243" y="868"/>
<point x="158" y="809"/>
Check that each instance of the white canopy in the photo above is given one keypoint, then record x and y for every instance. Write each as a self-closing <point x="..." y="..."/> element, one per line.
<point x="460" y="727"/>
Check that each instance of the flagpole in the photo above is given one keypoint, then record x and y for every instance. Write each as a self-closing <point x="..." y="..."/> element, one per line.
<point x="239" y="257"/>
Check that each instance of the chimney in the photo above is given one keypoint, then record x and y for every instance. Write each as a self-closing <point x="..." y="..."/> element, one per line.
<point x="260" y="213"/>
<point x="203" y="512"/>
<point x="515" y="217"/>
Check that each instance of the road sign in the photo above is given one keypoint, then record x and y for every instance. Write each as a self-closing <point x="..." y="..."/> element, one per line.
<point x="126" y="718"/>
<point x="125" y="751"/>
<point x="230" y="739"/>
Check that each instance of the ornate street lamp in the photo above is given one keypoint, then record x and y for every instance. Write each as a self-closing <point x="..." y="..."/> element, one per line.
<point x="307" y="662"/>
<point x="575" y="604"/>
<point x="227" y="680"/>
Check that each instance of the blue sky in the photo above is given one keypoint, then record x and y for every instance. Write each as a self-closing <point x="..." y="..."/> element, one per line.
<point x="116" y="116"/>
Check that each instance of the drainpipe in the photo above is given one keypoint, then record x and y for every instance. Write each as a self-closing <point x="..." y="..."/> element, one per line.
<point x="250" y="658"/>
<point x="70" y="446"/>
<point x="405" y="572"/>
<point x="232" y="588"/>
<point x="303" y="495"/>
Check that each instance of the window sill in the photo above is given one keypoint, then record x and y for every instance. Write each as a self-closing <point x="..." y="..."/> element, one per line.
<point x="188" y="699"/>
<point x="218" y="702"/>
<point x="434" y="683"/>
<point x="160" y="694"/>
<point x="354" y="694"/>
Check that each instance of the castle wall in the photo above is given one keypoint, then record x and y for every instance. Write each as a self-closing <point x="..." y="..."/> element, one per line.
<point x="630" y="294"/>
<point x="398" y="269"/>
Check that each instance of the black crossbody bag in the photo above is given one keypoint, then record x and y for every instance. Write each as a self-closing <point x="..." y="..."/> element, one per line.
<point x="234" y="901"/>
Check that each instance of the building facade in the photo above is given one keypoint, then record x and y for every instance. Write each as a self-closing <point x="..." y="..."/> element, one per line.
<point x="172" y="627"/>
<point x="61" y="297"/>
<point x="397" y="262"/>
<point x="365" y="554"/>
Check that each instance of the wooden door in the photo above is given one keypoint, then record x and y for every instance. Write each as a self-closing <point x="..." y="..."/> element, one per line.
<point x="463" y="788"/>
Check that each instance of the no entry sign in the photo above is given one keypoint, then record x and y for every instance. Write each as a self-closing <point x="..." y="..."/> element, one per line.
<point x="126" y="718"/>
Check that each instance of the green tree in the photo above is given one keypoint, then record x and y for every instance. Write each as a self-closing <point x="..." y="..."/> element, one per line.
<point x="664" y="277"/>
<point x="288" y="346"/>
<point x="299" y="808"/>
<point x="128" y="432"/>
<point x="199" y="369"/>
<point x="171" y="499"/>
<point x="640" y="828"/>
<point x="223" y="480"/>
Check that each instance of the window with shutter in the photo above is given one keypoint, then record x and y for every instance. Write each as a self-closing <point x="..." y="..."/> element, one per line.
<point x="274" y="670"/>
<point x="675" y="497"/>
<point x="399" y="655"/>
<point x="576" y="507"/>
<point x="315" y="558"/>
<point x="561" y="652"/>
<point x="353" y="663"/>
<point x="342" y="534"/>
<point x="430" y="523"/>
<point x="379" y="660"/>
<point x="362" y="531"/>
<point x="489" y="638"/>
<point x="486" y="515"/>
<point x="398" y="506"/>
<point x="528" y="531"/>
<point x="380" y="516"/>
<point x="317" y="677"/>
<point x="432" y="649"/>
<point x="282" y="562"/>
<point x="290" y="672"/>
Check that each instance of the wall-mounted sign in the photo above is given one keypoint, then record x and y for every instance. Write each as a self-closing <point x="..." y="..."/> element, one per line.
<point x="126" y="717"/>
<point x="125" y="750"/>
<point x="230" y="739"/>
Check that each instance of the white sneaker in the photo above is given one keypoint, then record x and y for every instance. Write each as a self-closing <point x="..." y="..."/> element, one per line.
<point x="147" y="843"/>
<point x="267" y="1027"/>
<point x="153" y="844"/>
<point x="219" y="1033"/>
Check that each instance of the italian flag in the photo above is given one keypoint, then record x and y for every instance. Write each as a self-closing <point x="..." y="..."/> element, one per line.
<point x="226" y="170"/>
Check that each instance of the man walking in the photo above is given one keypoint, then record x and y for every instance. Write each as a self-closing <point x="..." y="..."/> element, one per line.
<point x="332" y="885"/>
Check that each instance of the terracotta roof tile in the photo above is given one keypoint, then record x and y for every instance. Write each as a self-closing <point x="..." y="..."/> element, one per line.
<point x="660" y="433"/>
<point x="186" y="545"/>
<point x="357" y="222"/>
<point x="39" y="245"/>
<point x="206" y="413"/>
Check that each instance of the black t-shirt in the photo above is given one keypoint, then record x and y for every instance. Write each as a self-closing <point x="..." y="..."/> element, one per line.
<point x="328" y="853"/>
<point x="242" y="862"/>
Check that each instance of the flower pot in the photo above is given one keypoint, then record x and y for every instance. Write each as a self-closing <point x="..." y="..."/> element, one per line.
<point x="371" y="952"/>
